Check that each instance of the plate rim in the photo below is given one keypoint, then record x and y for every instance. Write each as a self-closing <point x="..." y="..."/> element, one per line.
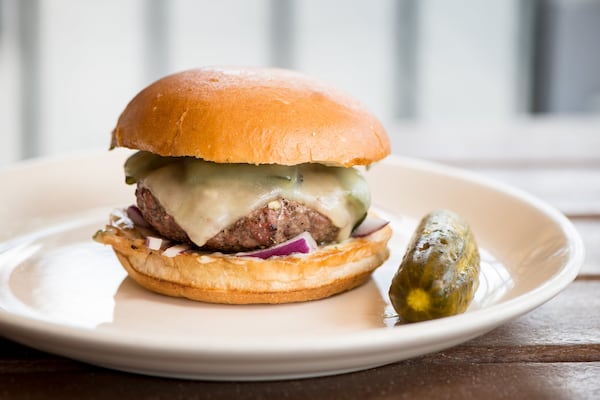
<point x="475" y="322"/>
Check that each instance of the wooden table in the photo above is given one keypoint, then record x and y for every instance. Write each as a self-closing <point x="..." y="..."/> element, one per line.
<point x="551" y="353"/>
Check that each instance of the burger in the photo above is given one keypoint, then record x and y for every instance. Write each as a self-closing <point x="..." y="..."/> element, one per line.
<point x="249" y="188"/>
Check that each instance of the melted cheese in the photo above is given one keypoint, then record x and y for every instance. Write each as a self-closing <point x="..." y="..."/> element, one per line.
<point x="205" y="197"/>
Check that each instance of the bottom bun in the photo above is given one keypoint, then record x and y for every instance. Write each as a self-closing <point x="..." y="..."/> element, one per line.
<point x="230" y="279"/>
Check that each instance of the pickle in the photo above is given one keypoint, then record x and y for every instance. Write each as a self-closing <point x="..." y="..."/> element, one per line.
<point x="141" y="163"/>
<point x="439" y="273"/>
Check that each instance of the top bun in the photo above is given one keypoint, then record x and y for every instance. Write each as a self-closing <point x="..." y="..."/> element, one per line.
<point x="255" y="116"/>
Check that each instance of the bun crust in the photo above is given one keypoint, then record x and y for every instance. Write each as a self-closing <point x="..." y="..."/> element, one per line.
<point x="219" y="278"/>
<point x="256" y="116"/>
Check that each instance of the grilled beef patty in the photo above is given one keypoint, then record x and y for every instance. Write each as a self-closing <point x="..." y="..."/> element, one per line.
<point x="273" y="223"/>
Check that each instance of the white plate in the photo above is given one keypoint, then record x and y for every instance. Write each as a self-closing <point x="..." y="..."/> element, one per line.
<point x="63" y="293"/>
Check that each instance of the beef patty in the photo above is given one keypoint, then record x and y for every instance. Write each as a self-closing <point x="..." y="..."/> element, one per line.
<point x="273" y="223"/>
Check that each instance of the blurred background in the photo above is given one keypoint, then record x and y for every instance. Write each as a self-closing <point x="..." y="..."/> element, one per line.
<point x="68" y="67"/>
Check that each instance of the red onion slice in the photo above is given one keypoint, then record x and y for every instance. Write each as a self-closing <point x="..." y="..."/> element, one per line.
<point x="154" y="243"/>
<point x="303" y="243"/>
<point x="120" y="219"/>
<point x="369" y="225"/>
<point x="134" y="213"/>
<point x="176" y="250"/>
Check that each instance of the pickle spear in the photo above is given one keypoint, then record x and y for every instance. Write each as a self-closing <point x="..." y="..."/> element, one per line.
<point x="439" y="273"/>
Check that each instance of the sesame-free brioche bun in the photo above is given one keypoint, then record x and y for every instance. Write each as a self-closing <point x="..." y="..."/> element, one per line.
<point x="231" y="279"/>
<point x="251" y="115"/>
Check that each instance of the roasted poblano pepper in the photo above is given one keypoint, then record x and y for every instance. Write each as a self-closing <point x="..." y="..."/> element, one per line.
<point x="439" y="273"/>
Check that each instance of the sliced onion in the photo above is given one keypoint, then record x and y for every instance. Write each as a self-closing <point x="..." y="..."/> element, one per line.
<point x="176" y="250"/>
<point x="134" y="213"/>
<point x="154" y="243"/>
<point x="369" y="225"/>
<point x="120" y="219"/>
<point x="303" y="243"/>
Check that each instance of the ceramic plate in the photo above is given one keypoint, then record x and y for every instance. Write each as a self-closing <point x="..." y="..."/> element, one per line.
<point x="63" y="293"/>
